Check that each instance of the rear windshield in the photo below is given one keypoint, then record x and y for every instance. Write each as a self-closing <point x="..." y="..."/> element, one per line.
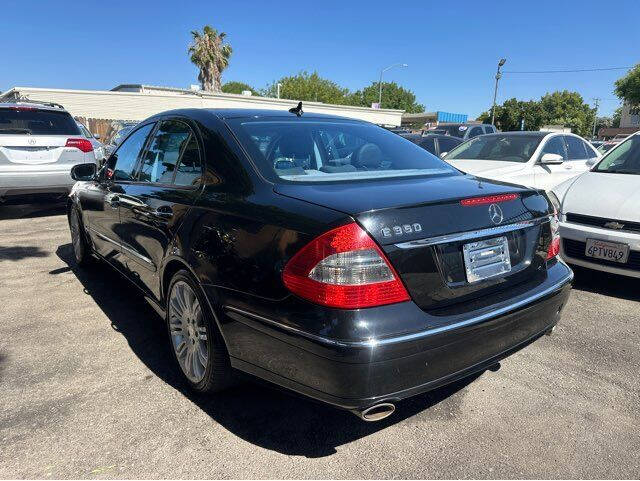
<point x="323" y="151"/>
<point x="508" y="148"/>
<point x="36" y="122"/>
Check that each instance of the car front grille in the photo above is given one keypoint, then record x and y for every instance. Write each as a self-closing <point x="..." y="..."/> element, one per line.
<point x="601" y="221"/>
<point x="575" y="249"/>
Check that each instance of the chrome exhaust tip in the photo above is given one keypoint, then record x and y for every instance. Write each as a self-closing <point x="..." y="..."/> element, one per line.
<point x="377" y="412"/>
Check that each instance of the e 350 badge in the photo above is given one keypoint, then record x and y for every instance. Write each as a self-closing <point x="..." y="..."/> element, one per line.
<point x="399" y="230"/>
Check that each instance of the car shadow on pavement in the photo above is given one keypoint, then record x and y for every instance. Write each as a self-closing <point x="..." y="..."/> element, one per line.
<point x="607" y="284"/>
<point x="255" y="411"/>
<point x="27" y="211"/>
<point x="18" y="253"/>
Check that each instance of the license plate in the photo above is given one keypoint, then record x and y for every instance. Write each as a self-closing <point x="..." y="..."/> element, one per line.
<point x="608" y="251"/>
<point x="486" y="258"/>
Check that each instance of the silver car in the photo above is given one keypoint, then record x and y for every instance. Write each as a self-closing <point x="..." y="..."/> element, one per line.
<point x="39" y="144"/>
<point x="98" y="148"/>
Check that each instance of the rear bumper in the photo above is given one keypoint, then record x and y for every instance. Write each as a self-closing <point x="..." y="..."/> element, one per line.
<point x="358" y="373"/>
<point x="36" y="181"/>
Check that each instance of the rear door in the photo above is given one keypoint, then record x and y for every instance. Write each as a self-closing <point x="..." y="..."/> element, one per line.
<point x="167" y="182"/>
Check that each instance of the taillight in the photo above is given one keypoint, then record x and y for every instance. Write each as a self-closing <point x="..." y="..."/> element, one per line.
<point x="82" y="144"/>
<point x="554" y="245"/>
<point x="344" y="268"/>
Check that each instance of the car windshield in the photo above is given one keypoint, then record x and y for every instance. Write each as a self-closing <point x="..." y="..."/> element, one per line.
<point x="624" y="159"/>
<point x="332" y="150"/>
<point x="504" y="147"/>
<point x="31" y="121"/>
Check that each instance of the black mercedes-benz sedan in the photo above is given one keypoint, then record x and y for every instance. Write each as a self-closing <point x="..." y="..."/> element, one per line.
<point x="326" y="255"/>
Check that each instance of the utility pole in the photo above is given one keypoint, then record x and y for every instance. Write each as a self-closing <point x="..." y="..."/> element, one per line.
<point x="595" y="117"/>
<point x="278" y="85"/>
<point x="495" y="91"/>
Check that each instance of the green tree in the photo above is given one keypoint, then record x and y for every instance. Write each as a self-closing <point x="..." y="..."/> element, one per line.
<point x="211" y="55"/>
<point x="393" y="97"/>
<point x="628" y="87"/>
<point x="238" y="88"/>
<point x="509" y="115"/>
<point x="309" y="87"/>
<point x="568" y="109"/>
<point x="615" y="118"/>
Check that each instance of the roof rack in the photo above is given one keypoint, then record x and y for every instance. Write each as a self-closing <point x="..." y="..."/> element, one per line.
<point x="22" y="99"/>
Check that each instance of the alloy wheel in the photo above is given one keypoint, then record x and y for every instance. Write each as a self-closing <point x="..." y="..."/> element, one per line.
<point x="188" y="331"/>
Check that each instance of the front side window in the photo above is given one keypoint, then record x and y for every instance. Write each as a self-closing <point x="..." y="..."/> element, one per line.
<point x="503" y="147"/>
<point x="447" y="145"/>
<point x="474" y="132"/>
<point x="427" y="144"/>
<point x="624" y="159"/>
<point x="31" y="121"/>
<point x="489" y="129"/>
<point x="555" y="145"/>
<point x="575" y="148"/>
<point x="590" y="152"/>
<point x="332" y="150"/>
<point x="122" y="164"/>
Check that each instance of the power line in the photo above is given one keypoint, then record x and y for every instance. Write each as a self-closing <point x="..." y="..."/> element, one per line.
<point x="570" y="71"/>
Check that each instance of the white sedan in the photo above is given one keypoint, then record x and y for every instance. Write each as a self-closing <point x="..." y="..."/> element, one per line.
<point x="600" y="213"/>
<point x="535" y="159"/>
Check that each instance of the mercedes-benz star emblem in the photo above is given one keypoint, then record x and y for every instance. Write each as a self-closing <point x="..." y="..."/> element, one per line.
<point x="495" y="214"/>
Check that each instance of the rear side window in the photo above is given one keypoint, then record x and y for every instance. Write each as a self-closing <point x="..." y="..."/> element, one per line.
<point x="30" y="121"/>
<point x="590" y="152"/>
<point x="172" y="157"/>
<point x="428" y="144"/>
<point x="575" y="148"/>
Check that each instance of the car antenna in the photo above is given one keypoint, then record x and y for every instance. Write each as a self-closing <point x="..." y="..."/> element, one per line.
<point x="297" y="110"/>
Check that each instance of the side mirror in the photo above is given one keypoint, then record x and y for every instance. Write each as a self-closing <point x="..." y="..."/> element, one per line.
<point x="96" y="136"/>
<point x="551" y="159"/>
<point x="84" y="171"/>
<point x="443" y="154"/>
<point x="592" y="162"/>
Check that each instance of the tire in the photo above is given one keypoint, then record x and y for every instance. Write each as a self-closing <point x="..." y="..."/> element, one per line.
<point x="192" y="333"/>
<point x="81" y="249"/>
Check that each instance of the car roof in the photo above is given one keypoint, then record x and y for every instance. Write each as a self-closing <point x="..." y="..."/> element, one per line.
<point x="525" y="133"/>
<point x="224" y="114"/>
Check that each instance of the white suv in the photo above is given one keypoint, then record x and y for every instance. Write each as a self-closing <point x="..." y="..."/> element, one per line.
<point x="39" y="144"/>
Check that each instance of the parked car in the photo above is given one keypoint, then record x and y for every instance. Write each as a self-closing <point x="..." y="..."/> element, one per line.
<point x="600" y="213"/>
<point x="463" y="131"/>
<point x="596" y="143"/>
<point x="118" y="137"/>
<point x="437" y="144"/>
<point x="536" y="159"/>
<point x="39" y="144"/>
<point x="341" y="262"/>
<point x="98" y="148"/>
<point x="608" y="145"/>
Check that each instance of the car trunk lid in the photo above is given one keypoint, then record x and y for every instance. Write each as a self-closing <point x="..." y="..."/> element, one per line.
<point x="423" y="227"/>
<point x="37" y="149"/>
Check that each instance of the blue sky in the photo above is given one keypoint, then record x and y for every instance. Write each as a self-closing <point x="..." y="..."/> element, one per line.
<point x="452" y="47"/>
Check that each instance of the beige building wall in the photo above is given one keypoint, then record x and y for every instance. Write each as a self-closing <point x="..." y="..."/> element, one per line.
<point x="132" y="105"/>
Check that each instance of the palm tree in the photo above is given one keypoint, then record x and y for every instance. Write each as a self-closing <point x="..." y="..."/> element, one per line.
<point x="211" y="56"/>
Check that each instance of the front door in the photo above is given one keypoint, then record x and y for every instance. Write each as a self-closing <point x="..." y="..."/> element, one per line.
<point x="167" y="183"/>
<point x="547" y="176"/>
<point x="100" y="203"/>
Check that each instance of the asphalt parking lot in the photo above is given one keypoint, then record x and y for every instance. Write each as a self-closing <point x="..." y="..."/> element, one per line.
<point x="88" y="389"/>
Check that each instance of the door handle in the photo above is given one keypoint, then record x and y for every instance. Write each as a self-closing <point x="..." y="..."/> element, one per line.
<point x="164" y="212"/>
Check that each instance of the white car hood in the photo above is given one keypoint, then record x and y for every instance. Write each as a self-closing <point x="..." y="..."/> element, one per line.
<point x="612" y="196"/>
<point x="487" y="168"/>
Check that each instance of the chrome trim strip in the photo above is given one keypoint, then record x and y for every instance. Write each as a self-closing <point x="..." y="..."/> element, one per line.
<point x="369" y="343"/>
<point x="462" y="236"/>
<point x="116" y="243"/>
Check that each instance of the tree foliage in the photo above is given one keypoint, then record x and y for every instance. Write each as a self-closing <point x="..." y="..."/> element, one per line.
<point x="310" y="87"/>
<point x="558" y="108"/>
<point x="238" y="88"/>
<point x="211" y="55"/>
<point x="628" y="87"/>
<point x="393" y="97"/>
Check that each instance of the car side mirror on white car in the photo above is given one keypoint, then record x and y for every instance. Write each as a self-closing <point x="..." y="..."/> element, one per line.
<point x="551" y="159"/>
